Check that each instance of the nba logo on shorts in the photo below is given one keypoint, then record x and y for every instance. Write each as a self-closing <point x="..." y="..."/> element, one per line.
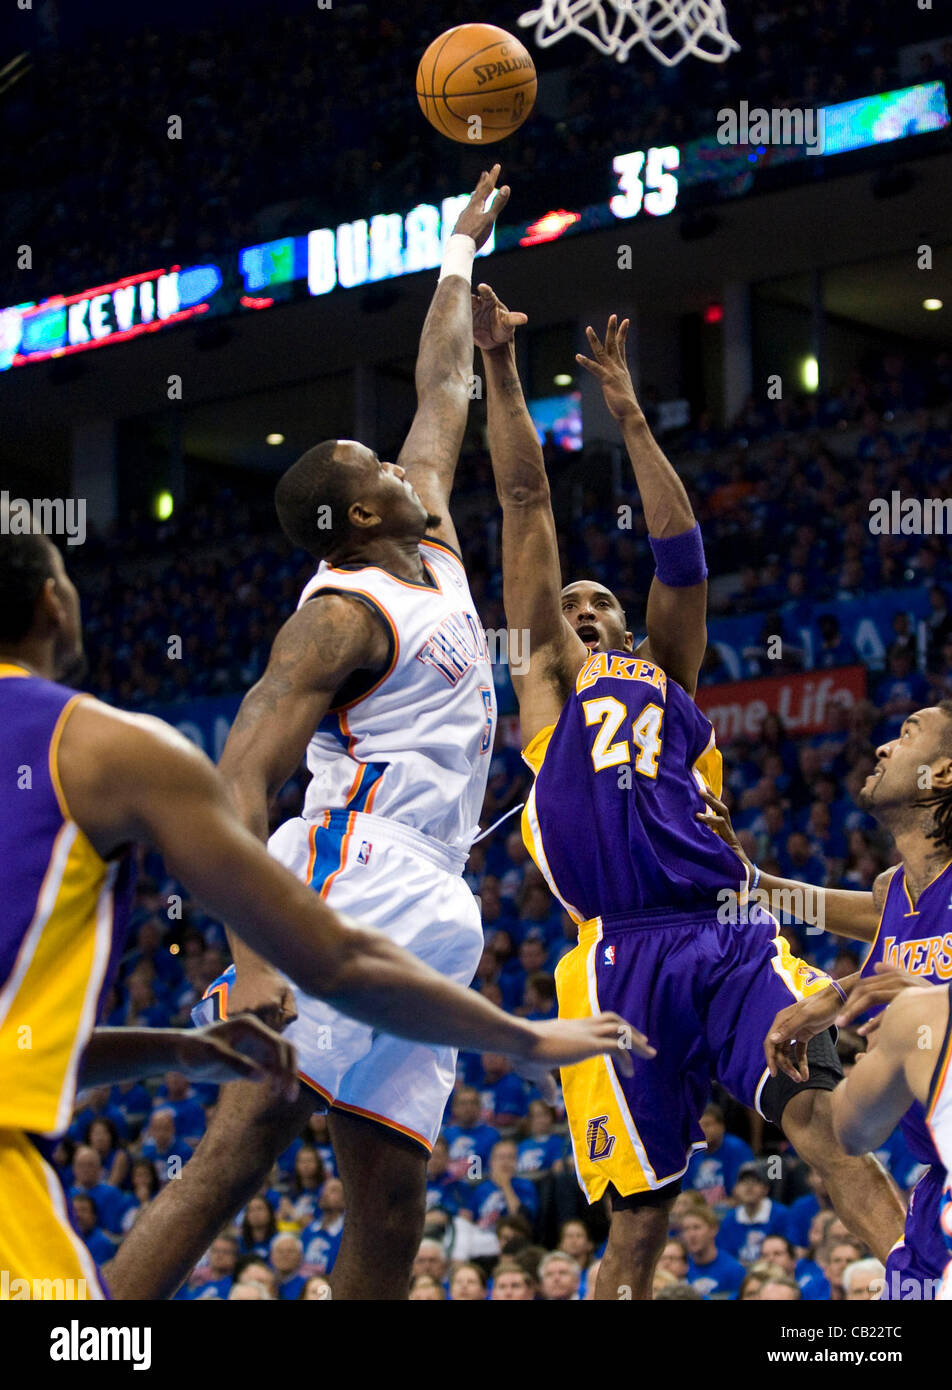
<point x="609" y="956"/>
<point x="363" y="854"/>
<point x="600" y="1142"/>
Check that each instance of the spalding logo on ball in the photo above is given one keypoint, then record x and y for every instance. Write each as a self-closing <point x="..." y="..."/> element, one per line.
<point x="476" y="84"/>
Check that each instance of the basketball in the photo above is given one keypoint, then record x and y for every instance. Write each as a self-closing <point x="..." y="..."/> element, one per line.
<point x="476" y="84"/>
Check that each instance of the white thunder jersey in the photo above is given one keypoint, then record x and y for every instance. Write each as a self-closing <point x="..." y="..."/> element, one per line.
<point x="939" y="1120"/>
<point x="412" y="745"/>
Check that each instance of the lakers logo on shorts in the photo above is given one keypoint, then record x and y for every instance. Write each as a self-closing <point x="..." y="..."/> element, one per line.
<point x="600" y="1142"/>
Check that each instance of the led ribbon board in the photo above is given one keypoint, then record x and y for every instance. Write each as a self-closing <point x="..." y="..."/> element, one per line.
<point x="387" y="246"/>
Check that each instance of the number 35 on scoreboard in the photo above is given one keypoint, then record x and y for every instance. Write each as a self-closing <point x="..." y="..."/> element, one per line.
<point x="646" y="181"/>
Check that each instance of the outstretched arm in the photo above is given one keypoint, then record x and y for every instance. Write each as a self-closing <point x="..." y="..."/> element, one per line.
<point x="677" y="612"/>
<point x="445" y="364"/>
<point x="849" y="912"/>
<point x="238" y="1049"/>
<point x="133" y="778"/>
<point x="531" y="573"/>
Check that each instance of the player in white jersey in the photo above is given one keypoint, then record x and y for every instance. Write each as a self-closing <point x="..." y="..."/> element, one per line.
<point x="910" y="1060"/>
<point x="382" y="678"/>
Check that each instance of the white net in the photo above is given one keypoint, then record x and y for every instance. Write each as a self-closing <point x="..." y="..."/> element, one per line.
<point x="669" y="29"/>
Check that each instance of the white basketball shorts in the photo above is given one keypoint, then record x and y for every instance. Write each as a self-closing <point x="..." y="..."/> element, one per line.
<point x="410" y="887"/>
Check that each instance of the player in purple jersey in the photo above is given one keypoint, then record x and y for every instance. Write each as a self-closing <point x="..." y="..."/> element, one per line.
<point x="906" y="920"/>
<point x="621" y="756"/>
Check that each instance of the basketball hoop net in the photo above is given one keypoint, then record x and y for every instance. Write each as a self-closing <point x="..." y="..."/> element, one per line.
<point x="669" y="29"/>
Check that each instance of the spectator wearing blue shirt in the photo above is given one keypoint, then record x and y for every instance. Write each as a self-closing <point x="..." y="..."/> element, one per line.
<point x="469" y="1140"/>
<point x="287" y="1258"/>
<point x="88" y="1181"/>
<point x="103" y="1136"/>
<point x="99" y="1104"/>
<point x="544" y="1150"/>
<point x="144" y="1182"/>
<point x="540" y="912"/>
<point x="714" y="1172"/>
<point x="142" y="1008"/>
<point x="540" y="1001"/>
<point x="321" y="1240"/>
<point x="714" y="1273"/>
<point x="150" y="950"/>
<point x="899" y="1162"/>
<point x="214" y="1274"/>
<point x="902" y="691"/>
<point x="258" y="1228"/>
<point x="503" y="1095"/>
<point x="803" y="1212"/>
<point x="744" y="1227"/>
<point x="168" y="1154"/>
<point x="299" y="1204"/>
<point x="503" y="1192"/>
<point x="133" y="1102"/>
<point x="441" y="1186"/>
<point x="532" y="958"/>
<point x="177" y="1095"/>
<point x="777" y="1251"/>
<point x="86" y="1222"/>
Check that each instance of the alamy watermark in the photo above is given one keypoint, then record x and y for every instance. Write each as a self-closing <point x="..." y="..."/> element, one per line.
<point x="896" y="515"/>
<point x="796" y="125"/>
<point x="43" y="516"/>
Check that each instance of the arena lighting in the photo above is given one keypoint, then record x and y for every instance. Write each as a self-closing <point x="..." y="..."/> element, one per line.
<point x="274" y="439"/>
<point x="164" y="505"/>
<point x="550" y="227"/>
<point x="563" y="379"/>
<point x="810" y="373"/>
<point x="932" y="305"/>
<point x="388" y="245"/>
<point x="714" y="313"/>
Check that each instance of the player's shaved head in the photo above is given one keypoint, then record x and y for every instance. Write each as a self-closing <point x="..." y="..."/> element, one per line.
<point x="339" y="496"/>
<point x="315" y="482"/>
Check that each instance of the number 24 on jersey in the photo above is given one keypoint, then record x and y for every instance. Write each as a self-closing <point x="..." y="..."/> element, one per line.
<point x="609" y="714"/>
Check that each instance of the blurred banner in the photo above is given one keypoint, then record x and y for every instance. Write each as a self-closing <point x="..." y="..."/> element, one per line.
<point x="804" y="702"/>
<point x="865" y="625"/>
<point x="205" y="721"/>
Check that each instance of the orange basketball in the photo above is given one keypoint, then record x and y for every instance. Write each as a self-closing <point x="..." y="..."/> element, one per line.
<point x="476" y="84"/>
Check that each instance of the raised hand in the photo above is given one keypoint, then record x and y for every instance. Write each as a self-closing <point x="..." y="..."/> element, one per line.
<point x="476" y="220"/>
<point x="610" y="368"/>
<point x="493" y="324"/>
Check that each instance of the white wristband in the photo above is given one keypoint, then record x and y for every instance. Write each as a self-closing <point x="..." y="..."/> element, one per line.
<point x="459" y="256"/>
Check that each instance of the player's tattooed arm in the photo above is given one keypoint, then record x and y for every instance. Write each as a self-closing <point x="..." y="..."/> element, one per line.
<point x="318" y="648"/>
<point x="676" y="619"/>
<point x="531" y="569"/>
<point x="444" y="372"/>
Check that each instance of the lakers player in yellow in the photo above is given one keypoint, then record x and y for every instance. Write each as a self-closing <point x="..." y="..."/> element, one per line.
<point x="80" y="783"/>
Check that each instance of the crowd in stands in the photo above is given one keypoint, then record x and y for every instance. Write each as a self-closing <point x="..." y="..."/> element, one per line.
<point x="505" y="1218"/>
<point x="311" y="111"/>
